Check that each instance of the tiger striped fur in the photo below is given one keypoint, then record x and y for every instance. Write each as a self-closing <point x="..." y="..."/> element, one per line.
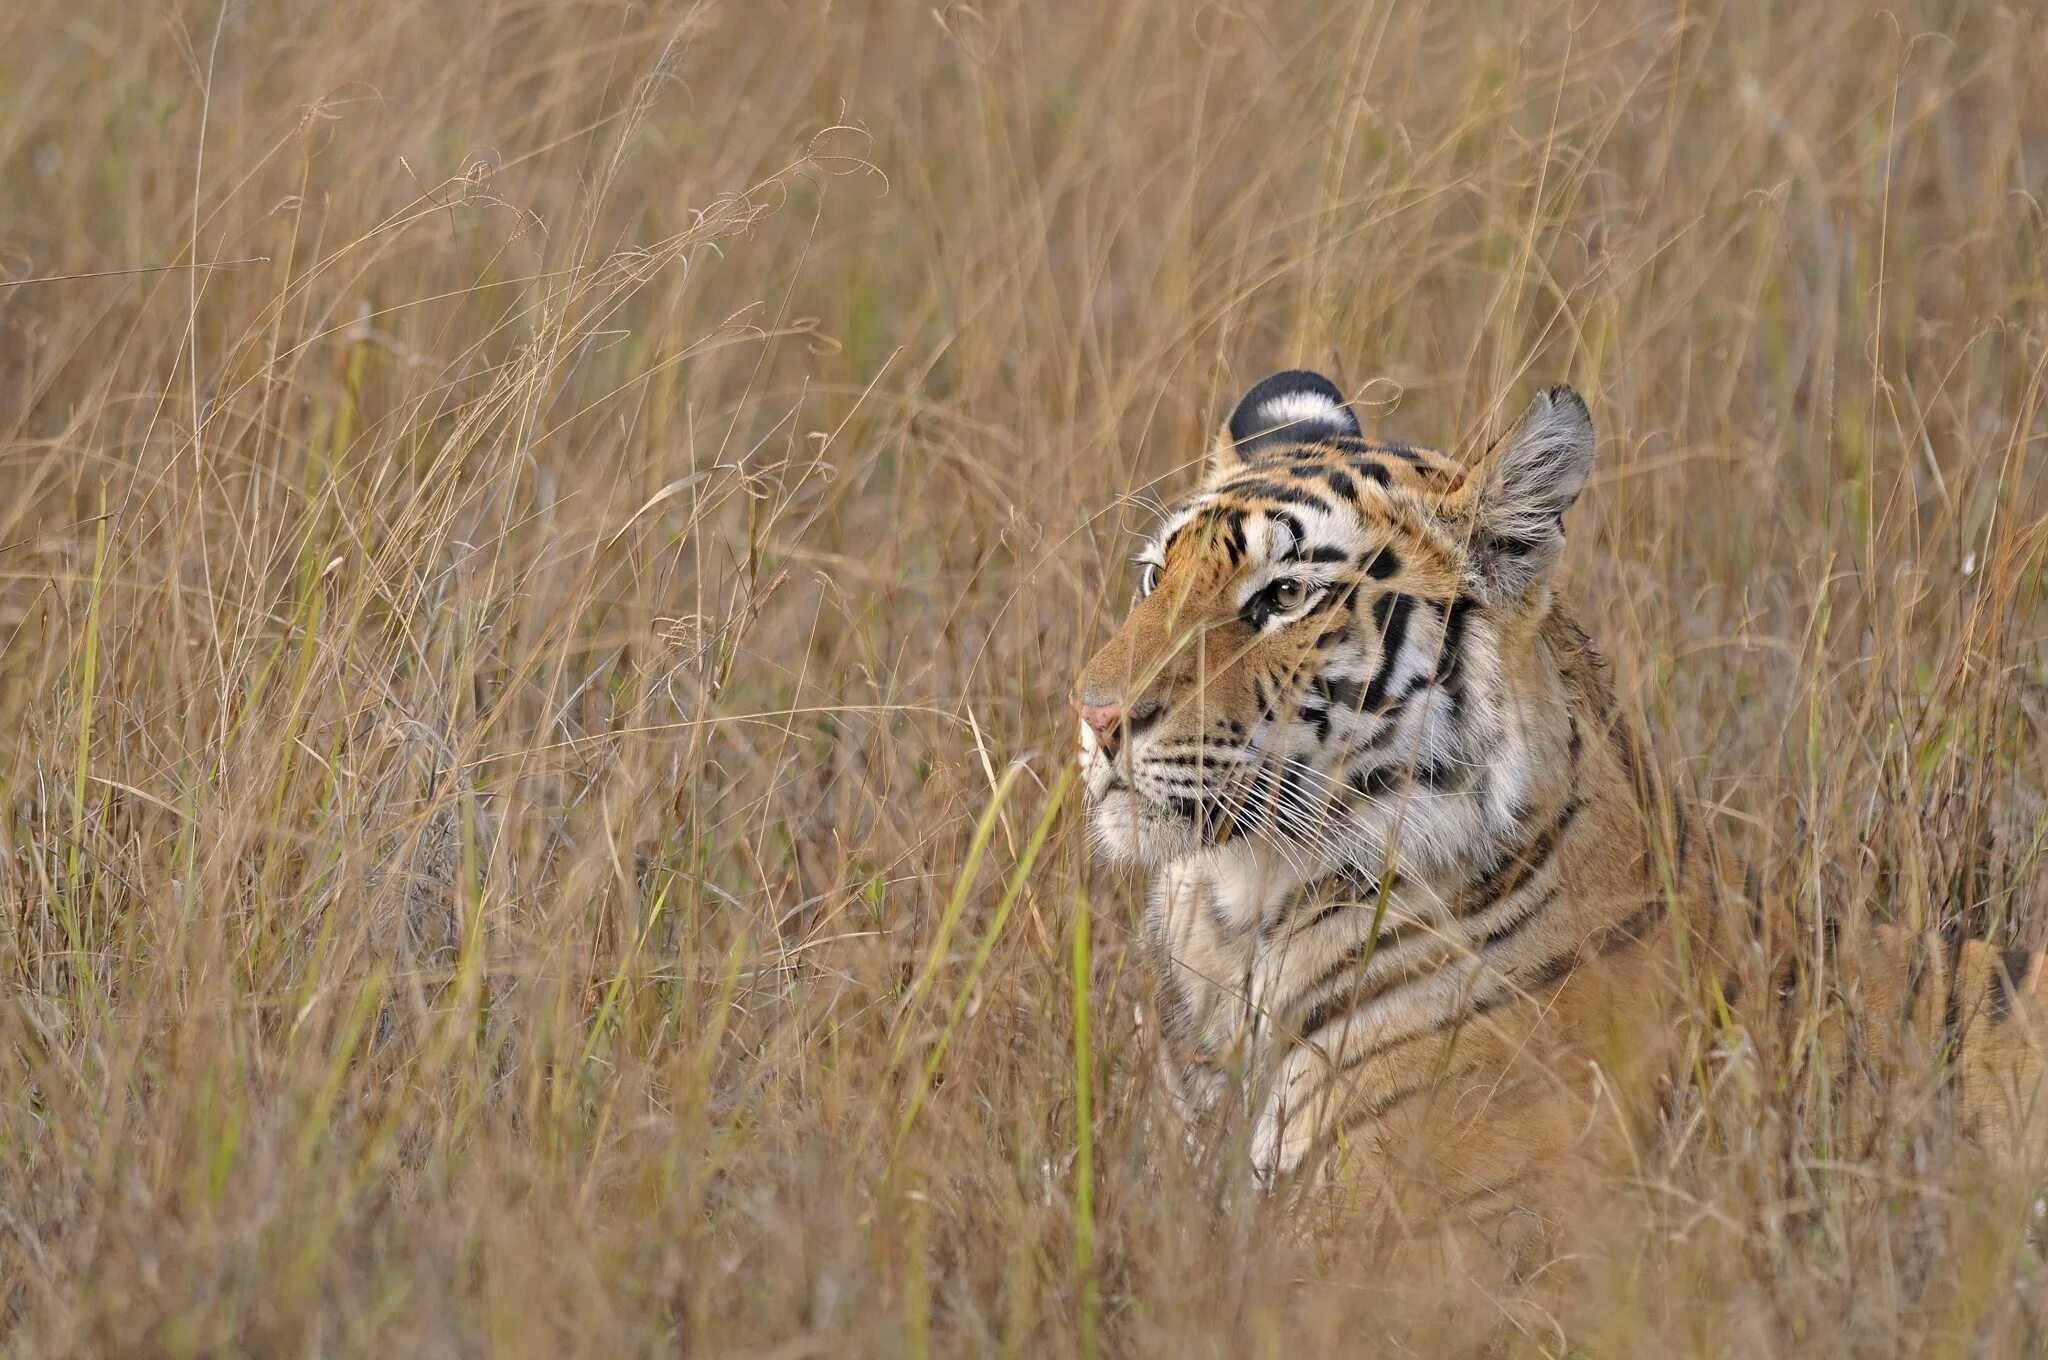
<point x="1417" y="895"/>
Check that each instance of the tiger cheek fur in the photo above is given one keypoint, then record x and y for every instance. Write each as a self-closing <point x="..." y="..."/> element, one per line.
<point x="1416" y="889"/>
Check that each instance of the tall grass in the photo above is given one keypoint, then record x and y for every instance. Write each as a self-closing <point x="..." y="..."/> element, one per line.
<point x="532" y="534"/>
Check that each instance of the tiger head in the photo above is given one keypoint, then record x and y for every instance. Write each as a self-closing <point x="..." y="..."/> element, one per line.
<point x="1323" y="656"/>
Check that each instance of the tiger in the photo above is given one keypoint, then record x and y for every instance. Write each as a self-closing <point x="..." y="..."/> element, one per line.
<point x="1420" y="905"/>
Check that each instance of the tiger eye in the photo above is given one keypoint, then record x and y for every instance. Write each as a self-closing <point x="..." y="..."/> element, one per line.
<point x="1288" y="595"/>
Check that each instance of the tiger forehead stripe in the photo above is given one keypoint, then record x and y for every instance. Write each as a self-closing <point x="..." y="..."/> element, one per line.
<point x="1222" y="525"/>
<point x="1225" y="524"/>
<point x="1392" y="542"/>
<point x="1341" y="470"/>
<point x="1270" y="487"/>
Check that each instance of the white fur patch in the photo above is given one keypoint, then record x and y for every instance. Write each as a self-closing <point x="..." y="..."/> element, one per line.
<point x="1290" y="407"/>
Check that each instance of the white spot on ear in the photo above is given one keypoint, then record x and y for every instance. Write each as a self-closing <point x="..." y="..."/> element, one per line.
<point x="1304" y="407"/>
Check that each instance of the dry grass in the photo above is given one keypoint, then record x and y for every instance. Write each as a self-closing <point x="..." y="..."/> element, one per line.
<point x="532" y="534"/>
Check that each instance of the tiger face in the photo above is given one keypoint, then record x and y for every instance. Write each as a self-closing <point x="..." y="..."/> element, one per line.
<point x="1313" y="663"/>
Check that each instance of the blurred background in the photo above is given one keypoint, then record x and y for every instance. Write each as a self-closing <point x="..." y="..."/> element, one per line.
<point x="543" y="547"/>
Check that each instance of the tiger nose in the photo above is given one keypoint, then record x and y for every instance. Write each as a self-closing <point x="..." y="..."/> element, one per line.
<point x="1106" y="721"/>
<point x="1110" y="722"/>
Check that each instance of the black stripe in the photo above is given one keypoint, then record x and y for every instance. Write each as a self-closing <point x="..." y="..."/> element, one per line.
<point x="1317" y="716"/>
<point x="1342" y="691"/>
<point x="1391" y="613"/>
<point x="1450" y="660"/>
<point x="1609" y="939"/>
<point x="1378" y="781"/>
<point x="1234" y="543"/>
<point x="1512" y="927"/>
<point x="1335" y="598"/>
<point x="1534" y="855"/>
<point x="1625" y="748"/>
<point x="1351" y="999"/>
<point x="1507" y="990"/>
<point x="1355" y="956"/>
<point x="1509" y="546"/>
<point x="1355" y="878"/>
<point x="2010" y="975"/>
<point x="1284" y="492"/>
<point x="1952" y="1012"/>
<point x="1443" y="776"/>
<point x="1357" y="888"/>
<point x="1382" y="564"/>
<point x="1554" y="969"/>
<point x="1347" y="1000"/>
<point x="1784" y="979"/>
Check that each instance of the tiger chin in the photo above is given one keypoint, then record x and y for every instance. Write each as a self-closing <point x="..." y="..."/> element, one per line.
<point x="1420" y="907"/>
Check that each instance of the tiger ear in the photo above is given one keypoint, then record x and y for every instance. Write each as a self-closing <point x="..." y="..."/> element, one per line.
<point x="1288" y="408"/>
<point x="1521" y="489"/>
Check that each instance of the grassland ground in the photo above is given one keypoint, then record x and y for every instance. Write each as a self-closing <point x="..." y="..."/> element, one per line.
<point x="543" y="547"/>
